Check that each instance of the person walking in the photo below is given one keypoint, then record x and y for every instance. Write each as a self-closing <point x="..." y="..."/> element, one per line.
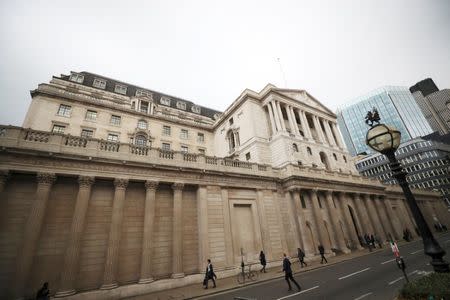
<point x="43" y="293"/>
<point x="368" y="243"/>
<point x="262" y="260"/>
<point x="301" y="257"/>
<point x="209" y="275"/>
<point x="372" y="241"/>
<point x="288" y="273"/>
<point x="322" y="254"/>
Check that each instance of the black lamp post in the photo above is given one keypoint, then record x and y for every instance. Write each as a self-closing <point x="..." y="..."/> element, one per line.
<point x="386" y="139"/>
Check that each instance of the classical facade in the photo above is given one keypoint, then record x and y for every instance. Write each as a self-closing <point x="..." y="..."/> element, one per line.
<point x="110" y="190"/>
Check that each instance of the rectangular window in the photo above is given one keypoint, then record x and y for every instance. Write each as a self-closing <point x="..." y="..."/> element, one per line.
<point x="166" y="130"/>
<point x="200" y="137"/>
<point x="58" y="129"/>
<point x="184" y="134"/>
<point x="181" y="105"/>
<point x="121" y="89"/>
<point x="78" y="78"/>
<point x="165" y="101"/>
<point x="99" y="83"/>
<point x="87" y="133"/>
<point x="64" y="110"/>
<point x="184" y="149"/>
<point x="302" y="199"/>
<point x="247" y="156"/>
<point x="231" y="121"/>
<point x="144" y="107"/>
<point x="165" y="146"/>
<point x="115" y="120"/>
<point x="91" y="115"/>
<point x="143" y="93"/>
<point x="112" y="137"/>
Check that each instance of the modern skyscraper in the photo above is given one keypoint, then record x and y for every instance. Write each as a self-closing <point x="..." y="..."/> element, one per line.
<point x="397" y="107"/>
<point x="434" y="104"/>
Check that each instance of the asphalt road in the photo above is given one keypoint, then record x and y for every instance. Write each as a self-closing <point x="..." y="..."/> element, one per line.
<point x="374" y="276"/>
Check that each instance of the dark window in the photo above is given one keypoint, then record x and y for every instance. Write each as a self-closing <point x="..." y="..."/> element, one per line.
<point x="231" y="121"/>
<point x="302" y="200"/>
<point x="247" y="156"/>
<point x="295" y="147"/>
<point x="309" y="150"/>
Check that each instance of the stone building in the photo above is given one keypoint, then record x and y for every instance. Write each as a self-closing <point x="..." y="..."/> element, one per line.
<point x="110" y="190"/>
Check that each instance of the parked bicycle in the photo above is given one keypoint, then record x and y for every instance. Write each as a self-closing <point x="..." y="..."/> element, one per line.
<point x="249" y="275"/>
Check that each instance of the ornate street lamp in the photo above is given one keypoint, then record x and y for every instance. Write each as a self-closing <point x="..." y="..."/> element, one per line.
<point x="386" y="139"/>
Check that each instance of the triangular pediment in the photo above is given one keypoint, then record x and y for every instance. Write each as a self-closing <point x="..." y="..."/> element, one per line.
<point x="304" y="97"/>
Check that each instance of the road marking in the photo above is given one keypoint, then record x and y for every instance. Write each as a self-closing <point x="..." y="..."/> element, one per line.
<point x="394" y="281"/>
<point x="365" y="295"/>
<point x="388" y="261"/>
<point x="301" y="292"/>
<point x="415" y="271"/>
<point x="416" y="251"/>
<point x="346" y="276"/>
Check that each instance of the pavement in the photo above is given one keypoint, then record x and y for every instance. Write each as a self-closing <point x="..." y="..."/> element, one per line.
<point x="359" y="275"/>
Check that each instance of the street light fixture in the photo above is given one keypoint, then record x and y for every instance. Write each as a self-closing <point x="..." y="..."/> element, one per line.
<point x="386" y="139"/>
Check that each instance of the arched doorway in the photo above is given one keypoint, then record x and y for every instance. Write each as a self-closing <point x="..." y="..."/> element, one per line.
<point x="311" y="235"/>
<point x="324" y="160"/>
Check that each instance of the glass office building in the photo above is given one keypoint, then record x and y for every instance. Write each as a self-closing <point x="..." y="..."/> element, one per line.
<point x="397" y="107"/>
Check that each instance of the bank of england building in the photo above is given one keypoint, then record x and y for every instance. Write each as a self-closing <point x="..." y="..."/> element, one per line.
<point x="112" y="189"/>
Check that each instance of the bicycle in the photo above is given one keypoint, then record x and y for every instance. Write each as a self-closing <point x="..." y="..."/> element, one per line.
<point x="250" y="275"/>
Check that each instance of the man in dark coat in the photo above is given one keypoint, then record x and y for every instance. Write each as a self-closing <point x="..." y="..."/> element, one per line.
<point x="301" y="257"/>
<point x="322" y="254"/>
<point x="43" y="293"/>
<point x="288" y="273"/>
<point x="262" y="260"/>
<point x="209" y="274"/>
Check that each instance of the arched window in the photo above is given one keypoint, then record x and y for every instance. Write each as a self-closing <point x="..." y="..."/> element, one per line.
<point x="334" y="156"/>
<point x="142" y="124"/>
<point x="324" y="160"/>
<point x="309" y="150"/>
<point x="295" y="147"/>
<point x="345" y="158"/>
<point x="231" y="141"/>
<point x="140" y="140"/>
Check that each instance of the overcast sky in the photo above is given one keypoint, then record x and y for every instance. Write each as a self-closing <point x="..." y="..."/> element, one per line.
<point x="209" y="51"/>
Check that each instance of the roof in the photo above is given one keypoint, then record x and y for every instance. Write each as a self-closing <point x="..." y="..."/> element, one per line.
<point x="131" y="92"/>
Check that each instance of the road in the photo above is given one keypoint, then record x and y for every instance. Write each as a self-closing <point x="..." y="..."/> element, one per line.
<point x="374" y="276"/>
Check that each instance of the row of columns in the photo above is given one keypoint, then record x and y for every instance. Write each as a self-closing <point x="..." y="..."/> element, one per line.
<point x="70" y="267"/>
<point x="330" y="136"/>
<point x="372" y="214"/>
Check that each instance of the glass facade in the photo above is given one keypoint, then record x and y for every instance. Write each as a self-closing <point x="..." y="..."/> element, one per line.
<point x="397" y="107"/>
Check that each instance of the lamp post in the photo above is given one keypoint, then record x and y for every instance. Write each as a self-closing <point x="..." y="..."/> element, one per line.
<point x="386" y="139"/>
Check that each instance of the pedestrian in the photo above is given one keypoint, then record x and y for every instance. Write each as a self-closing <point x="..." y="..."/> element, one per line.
<point x="378" y="241"/>
<point x="209" y="274"/>
<point x="322" y="254"/>
<point x="301" y="257"/>
<point x="288" y="273"/>
<point x="262" y="260"/>
<point x="372" y="241"/>
<point x="43" y="293"/>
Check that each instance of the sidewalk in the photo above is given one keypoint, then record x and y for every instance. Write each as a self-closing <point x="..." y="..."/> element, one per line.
<point x="230" y="283"/>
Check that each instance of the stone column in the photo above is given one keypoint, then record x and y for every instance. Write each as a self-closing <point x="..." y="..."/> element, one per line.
<point x="385" y="222"/>
<point x="396" y="227"/>
<point x="147" y="239"/>
<point x="375" y="219"/>
<point x="363" y="215"/>
<point x="280" y="114"/>
<point x="333" y="213"/>
<point x="4" y="175"/>
<point x="308" y="246"/>
<point x="115" y="232"/>
<point x="292" y="218"/>
<point x="272" y="121"/>
<point x="71" y="262"/>
<point x="294" y="121"/>
<point x="291" y="123"/>
<point x="275" y="114"/>
<point x="202" y="225"/>
<point x="318" y="218"/>
<point x="337" y="135"/>
<point x="348" y="221"/>
<point x="227" y="230"/>
<point x="263" y="221"/>
<point x="177" y="236"/>
<point x="329" y="133"/>
<point x="305" y="125"/>
<point x="278" y="206"/>
<point x="318" y="129"/>
<point x="32" y="232"/>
